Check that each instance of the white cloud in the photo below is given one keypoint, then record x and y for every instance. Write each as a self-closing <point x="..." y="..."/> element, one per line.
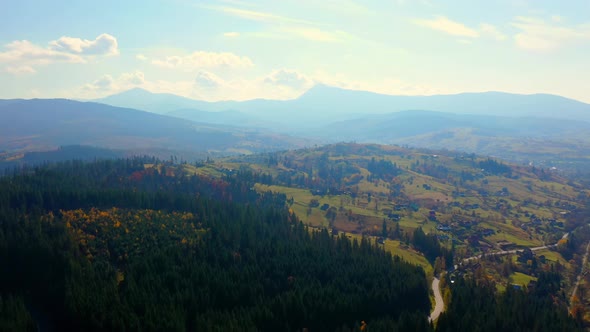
<point x="231" y="34"/>
<point x="23" y="56"/>
<point x="104" y="83"/>
<point x="20" y="70"/>
<point x="282" y="27"/>
<point x="278" y="84"/>
<point x="390" y="86"/>
<point x="135" y="78"/>
<point x="289" y="78"/>
<point x="492" y="31"/>
<point x="201" y="59"/>
<point x="538" y="35"/>
<point x="141" y="57"/>
<point x="24" y="51"/>
<point x="104" y="44"/>
<point x="207" y="80"/>
<point x="109" y="84"/>
<point x="443" y="24"/>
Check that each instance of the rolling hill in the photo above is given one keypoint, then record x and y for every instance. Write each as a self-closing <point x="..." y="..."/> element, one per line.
<point x="482" y="203"/>
<point x="521" y="139"/>
<point x="28" y="125"/>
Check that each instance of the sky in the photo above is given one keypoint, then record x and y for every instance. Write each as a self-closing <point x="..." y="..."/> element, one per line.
<point x="278" y="49"/>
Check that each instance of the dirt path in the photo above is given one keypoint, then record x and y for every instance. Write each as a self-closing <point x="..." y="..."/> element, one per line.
<point x="439" y="306"/>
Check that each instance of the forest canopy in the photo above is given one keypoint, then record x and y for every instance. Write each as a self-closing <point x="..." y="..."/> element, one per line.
<point x="118" y="245"/>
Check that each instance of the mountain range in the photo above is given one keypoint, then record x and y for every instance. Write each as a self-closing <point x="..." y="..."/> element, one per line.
<point x="324" y="104"/>
<point x="524" y="128"/>
<point x="516" y="127"/>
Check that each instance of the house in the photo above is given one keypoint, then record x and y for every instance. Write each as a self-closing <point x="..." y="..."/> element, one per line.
<point x="400" y="207"/>
<point x="394" y="216"/>
<point x="432" y="215"/>
<point x="488" y="232"/>
<point x="505" y="245"/>
<point x="443" y="228"/>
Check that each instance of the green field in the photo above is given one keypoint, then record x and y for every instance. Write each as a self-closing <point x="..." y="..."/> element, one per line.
<point x="521" y="279"/>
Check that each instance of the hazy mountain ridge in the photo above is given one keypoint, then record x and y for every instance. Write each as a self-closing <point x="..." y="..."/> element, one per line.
<point x="410" y="123"/>
<point x="327" y="104"/>
<point x="515" y="127"/>
<point x="46" y="123"/>
<point x="521" y="128"/>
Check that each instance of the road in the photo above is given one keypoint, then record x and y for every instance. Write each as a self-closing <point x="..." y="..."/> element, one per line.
<point x="508" y="252"/>
<point x="582" y="269"/>
<point x="439" y="306"/>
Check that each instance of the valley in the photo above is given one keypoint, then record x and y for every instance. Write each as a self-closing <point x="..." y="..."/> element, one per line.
<point x="486" y="192"/>
<point x="296" y="166"/>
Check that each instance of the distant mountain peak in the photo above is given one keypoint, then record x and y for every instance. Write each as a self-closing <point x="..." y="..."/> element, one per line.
<point x="321" y="90"/>
<point x="134" y="91"/>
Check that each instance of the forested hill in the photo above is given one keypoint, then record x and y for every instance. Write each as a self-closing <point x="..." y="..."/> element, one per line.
<point x="140" y="245"/>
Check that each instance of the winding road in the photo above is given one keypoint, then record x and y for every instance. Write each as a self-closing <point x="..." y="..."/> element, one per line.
<point x="439" y="306"/>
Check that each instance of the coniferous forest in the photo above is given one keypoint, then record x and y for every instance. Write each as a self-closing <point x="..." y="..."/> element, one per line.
<point x="478" y="308"/>
<point x="113" y="245"/>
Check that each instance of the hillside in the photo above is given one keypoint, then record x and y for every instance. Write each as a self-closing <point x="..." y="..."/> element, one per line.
<point x="138" y="244"/>
<point x="233" y="118"/>
<point x="479" y="202"/>
<point x="41" y="124"/>
<point x="445" y="211"/>
<point x="553" y="142"/>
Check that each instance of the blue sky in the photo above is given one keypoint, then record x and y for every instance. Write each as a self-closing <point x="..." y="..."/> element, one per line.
<point x="234" y="49"/>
